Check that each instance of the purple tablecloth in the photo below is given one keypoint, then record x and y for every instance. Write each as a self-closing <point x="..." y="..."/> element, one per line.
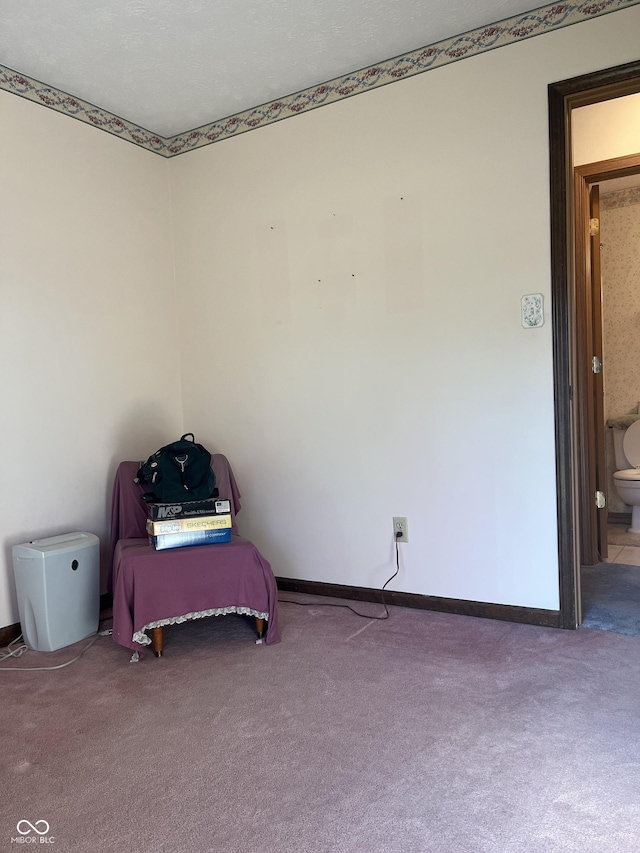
<point x="152" y="588"/>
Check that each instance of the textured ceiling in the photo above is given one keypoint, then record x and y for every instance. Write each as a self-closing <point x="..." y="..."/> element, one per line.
<point x="174" y="65"/>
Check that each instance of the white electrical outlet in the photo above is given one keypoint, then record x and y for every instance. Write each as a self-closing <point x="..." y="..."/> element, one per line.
<point x="400" y="526"/>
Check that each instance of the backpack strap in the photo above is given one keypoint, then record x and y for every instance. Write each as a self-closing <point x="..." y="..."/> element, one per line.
<point x="182" y="461"/>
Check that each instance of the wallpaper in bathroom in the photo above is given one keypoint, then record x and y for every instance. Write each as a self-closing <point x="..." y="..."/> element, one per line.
<point x="620" y="238"/>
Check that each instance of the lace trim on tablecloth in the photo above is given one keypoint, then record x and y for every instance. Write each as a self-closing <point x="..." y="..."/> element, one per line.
<point x="141" y="638"/>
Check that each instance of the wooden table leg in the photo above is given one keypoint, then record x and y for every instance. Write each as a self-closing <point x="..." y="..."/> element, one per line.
<point x="259" y="627"/>
<point x="156" y="639"/>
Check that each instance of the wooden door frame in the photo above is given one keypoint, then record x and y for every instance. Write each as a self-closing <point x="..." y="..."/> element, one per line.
<point x="585" y="425"/>
<point x="571" y="414"/>
<point x="590" y="423"/>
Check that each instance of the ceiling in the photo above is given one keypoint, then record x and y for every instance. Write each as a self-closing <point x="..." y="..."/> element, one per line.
<point x="174" y="65"/>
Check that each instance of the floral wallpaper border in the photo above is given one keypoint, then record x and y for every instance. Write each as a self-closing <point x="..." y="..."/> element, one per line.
<point x="517" y="28"/>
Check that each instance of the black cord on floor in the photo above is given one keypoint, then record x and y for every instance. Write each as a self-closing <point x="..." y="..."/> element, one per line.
<point x="348" y="606"/>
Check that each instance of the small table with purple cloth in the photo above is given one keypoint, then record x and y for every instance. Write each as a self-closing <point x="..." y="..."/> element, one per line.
<point x="155" y="588"/>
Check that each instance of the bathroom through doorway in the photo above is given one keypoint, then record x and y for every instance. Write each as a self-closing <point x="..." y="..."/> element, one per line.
<point x="573" y="329"/>
<point x="604" y="310"/>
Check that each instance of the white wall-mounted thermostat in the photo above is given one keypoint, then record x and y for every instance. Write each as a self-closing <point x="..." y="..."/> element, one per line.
<point x="532" y="310"/>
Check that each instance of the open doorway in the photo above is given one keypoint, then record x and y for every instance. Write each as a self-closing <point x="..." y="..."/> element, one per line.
<point x="572" y="334"/>
<point x="602" y="191"/>
<point x="607" y="268"/>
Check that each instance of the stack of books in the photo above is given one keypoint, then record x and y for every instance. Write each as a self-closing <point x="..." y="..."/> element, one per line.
<point x="176" y="525"/>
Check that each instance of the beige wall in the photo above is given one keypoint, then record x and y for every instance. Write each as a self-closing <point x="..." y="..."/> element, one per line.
<point x="86" y="277"/>
<point x="360" y="352"/>
<point x="606" y="130"/>
<point x="356" y="347"/>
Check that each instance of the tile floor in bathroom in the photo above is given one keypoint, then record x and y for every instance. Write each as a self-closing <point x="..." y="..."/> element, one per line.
<point x="624" y="547"/>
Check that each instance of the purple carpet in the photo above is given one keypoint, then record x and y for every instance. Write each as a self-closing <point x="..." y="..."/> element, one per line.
<point x="425" y="732"/>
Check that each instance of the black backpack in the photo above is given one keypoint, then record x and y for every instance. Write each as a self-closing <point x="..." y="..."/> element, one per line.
<point x="178" y="472"/>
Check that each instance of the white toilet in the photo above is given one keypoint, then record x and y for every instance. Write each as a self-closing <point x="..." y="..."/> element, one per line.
<point x="626" y="446"/>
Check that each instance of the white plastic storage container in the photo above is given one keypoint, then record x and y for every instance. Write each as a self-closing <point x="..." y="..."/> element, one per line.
<point x="58" y="587"/>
